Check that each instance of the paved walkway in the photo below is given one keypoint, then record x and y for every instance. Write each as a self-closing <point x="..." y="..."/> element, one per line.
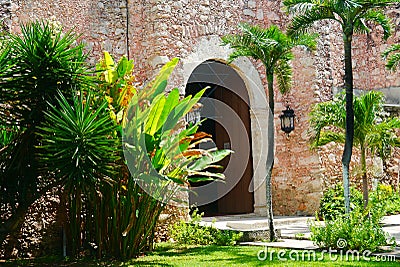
<point x="291" y="228"/>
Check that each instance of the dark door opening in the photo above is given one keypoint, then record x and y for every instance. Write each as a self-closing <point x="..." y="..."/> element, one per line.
<point x="238" y="200"/>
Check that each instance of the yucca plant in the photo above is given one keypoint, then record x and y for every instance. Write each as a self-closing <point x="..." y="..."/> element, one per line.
<point x="33" y="66"/>
<point x="273" y="48"/>
<point x="80" y="147"/>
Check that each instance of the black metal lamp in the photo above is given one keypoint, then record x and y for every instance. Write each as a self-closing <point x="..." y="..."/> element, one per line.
<point x="287" y="120"/>
<point x="194" y="115"/>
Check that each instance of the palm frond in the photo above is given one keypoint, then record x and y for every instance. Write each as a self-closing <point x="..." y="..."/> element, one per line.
<point x="330" y="113"/>
<point x="382" y="138"/>
<point x="271" y="46"/>
<point x="308" y="41"/>
<point x="254" y="42"/>
<point x="328" y="137"/>
<point x="367" y="107"/>
<point x="298" y="6"/>
<point x="392" y="56"/>
<point x="302" y="22"/>
<point x="378" y="17"/>
<point x="361" y="27"/>
<point x="283" y="72"/>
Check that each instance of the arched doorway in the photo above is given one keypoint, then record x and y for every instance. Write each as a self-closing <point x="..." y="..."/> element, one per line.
<point x="226" y="107"/>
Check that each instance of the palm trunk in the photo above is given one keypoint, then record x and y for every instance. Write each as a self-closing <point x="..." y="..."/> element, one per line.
<point x="364" y="176"/>
<point x="270" y="155"/>
<point x="348" y="145"/>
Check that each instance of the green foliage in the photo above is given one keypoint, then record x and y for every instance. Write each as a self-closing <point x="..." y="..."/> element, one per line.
<point x="271" y="46"/>
<point x="360" y="231"/>
<point x="161" y="156"/>
<point x="392" y="56"/>
<point x="371" y="128"/>
<point x="355" y="16"/>
<point x="79" y="146"/>
<point x="7" y="134"/>
<point x="116" y="83"/>
<point x="386" y="199"/>
<point x="193" y="233"/>
<point x="34" y="65"/>
<point x="77" y="141"/>
<point x="332" y="202"/>
<point x="112" y="210"/>
<point x="372" y="131"/>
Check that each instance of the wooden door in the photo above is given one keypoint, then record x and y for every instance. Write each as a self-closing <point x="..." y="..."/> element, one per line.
<point x="240" y="170"/>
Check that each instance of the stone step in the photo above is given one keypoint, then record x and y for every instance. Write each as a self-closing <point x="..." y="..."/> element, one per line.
<point x="237" y="222"/>
<point x="259" y="235"/>
<point x="256" y="228"/>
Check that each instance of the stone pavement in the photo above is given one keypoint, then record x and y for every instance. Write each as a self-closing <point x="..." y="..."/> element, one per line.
<point x="291" y="229"/>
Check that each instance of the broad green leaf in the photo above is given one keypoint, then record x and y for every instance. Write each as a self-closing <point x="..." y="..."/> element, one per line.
<point x="160" y="81"/>
<point x="213" y="157"/>
<point x="171" y="102"/>
<point x="108" y="60"/>
<point x="157" y="108"/>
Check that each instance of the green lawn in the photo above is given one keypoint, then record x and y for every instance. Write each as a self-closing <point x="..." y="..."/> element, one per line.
<point x="193" y="256"/>
<point x="168" y="255"/>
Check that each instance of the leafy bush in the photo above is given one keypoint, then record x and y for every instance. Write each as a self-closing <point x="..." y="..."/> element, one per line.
<point x="192" y="233"/>
<point x="359" y="231"/>
<point x="332" y="202"/>
<point x="385" y="198"/>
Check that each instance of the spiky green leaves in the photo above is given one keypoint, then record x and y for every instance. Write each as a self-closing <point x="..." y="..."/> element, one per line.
<point x="78" y="142"/>
<point x="39" y="62"/>
<point x="271" y="46"/>
<point x="352" y="15"/>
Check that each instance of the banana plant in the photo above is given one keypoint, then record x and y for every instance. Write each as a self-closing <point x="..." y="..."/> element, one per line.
<point x="116" y="83"/>
<point x="160" y="150"/>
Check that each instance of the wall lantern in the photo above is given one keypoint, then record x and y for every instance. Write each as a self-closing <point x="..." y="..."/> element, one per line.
<point x="194" y="115"/>
<point x="287" y="120"/>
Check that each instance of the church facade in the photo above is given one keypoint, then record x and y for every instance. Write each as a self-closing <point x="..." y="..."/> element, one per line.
<point x="154" y="31"/>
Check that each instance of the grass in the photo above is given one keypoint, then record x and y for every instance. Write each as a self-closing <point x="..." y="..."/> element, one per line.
<point x="167" y="254"/>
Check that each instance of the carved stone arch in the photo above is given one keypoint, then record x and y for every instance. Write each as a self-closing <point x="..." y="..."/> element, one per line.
<point x="209" y="48"/>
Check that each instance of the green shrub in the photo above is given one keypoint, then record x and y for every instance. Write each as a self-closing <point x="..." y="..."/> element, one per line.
<point x="385" y="198"/>
<point x="332" y="202"/>
<point x="361" y="231"/>
<point x="192" y="233"/>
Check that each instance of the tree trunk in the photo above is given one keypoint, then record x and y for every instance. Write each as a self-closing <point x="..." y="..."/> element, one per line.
<point x="348" y="145"/>
<point x="270" y="155"/>
<point x="364" y="176"/>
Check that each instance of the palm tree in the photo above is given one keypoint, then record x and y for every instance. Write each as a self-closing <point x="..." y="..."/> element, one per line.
<point x="274" y="49"/>
<point x="352" y="16"/>
<point x="371" y="131"/>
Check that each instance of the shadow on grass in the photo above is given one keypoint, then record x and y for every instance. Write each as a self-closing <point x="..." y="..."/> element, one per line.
<point x="218" y="255"/>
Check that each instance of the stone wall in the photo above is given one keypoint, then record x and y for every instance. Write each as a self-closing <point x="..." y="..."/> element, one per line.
<point x="157" y="30"/>
<point x="102" y="23"/>
<point x="5" y="14"/>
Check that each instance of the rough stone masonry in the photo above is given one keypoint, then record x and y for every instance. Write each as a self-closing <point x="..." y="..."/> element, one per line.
<point x="153" y="31"/>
